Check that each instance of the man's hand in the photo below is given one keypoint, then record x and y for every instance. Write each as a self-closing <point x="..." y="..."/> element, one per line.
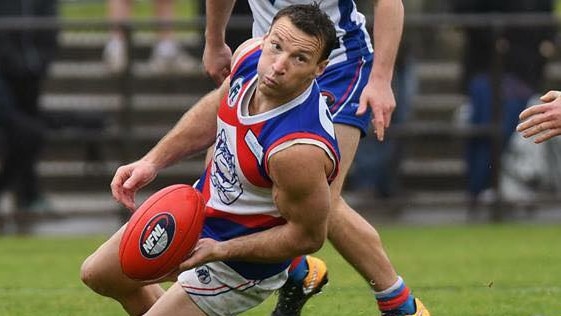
<point x="379" y="96"/>
<point x="216" y="61"/>
<point x="543" y="119"/>
<point x="204" y="252"/>
<point x="130" y="178"/>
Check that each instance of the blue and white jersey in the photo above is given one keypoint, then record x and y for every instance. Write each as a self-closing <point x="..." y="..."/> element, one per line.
<point x="236" y="183"/>
<point x="354" y="40"/>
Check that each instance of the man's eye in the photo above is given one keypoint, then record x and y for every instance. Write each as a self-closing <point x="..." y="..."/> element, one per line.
<point x="301" y="59"/>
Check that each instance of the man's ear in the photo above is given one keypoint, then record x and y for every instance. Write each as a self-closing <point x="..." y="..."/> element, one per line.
<point x="321" y="67"/>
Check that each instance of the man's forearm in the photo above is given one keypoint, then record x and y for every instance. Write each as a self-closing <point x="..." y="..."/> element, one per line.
<point x="388" y="28"/>
<point x="272" y="245"/>
<point x="218" y="13"/>
<point x="194" y="132"/>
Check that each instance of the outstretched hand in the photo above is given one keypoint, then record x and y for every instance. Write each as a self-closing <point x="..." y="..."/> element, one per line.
<point x="379" y="96"/>
<point x="216" y="61"/>
<point x="543" y="120"/>
<point x="128" y="179"/>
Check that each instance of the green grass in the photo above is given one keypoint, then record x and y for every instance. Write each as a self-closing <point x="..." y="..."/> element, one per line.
<point x="465" y="270"/>
<point x="140" y="9"/>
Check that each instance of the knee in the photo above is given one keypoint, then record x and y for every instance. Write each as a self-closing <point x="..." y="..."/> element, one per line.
<point x="93" y="276"/>
<point x="338" y="212"/>
<point x="344" y="223"/>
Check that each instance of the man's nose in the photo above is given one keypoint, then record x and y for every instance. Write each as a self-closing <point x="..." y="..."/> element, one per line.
<point x="279" y="65"/>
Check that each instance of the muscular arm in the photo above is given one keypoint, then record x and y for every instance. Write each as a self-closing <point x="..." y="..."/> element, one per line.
<point x="378" y="94"/>
<point x="302" y="195"/>
<point x="217" y="54"/>
<point x="194" y="132"/>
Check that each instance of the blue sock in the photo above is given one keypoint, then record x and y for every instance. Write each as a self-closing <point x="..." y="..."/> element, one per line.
<point x="298" y="269"/>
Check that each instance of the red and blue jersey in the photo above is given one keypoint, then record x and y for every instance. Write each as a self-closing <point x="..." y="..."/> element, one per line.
<point x="236" y="183"/>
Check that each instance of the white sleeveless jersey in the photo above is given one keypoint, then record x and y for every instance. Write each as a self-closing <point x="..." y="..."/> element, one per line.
<point x="354" y="41"/>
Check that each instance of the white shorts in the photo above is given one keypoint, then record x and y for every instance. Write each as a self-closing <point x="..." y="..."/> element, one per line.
<point x="220" y="291"/>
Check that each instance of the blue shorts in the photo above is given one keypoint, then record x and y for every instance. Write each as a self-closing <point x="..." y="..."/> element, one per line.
<point x="341" y="86"/>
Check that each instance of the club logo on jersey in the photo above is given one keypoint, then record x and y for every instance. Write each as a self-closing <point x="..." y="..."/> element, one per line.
<point x="234" y="93"/>
<point x="157" y="235"/>
<point x="203" y="275"/>
<point x="328" y="98"/>
<point x="223" y="175"/>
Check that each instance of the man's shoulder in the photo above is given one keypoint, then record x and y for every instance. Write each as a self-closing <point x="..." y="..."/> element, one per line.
<point x="286" y="165"/>
<point x="244" y="49"/>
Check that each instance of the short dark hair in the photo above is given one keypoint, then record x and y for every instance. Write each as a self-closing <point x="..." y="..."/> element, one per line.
<point x="310" y="19"/>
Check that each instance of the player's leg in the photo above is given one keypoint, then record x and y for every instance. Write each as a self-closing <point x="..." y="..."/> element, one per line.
<point x="345" y="223"/>
<point x="167" y="54"/>
<point x="102" y="272"/>
<point x="216" y="289"/>
<point x="164" y="12"/>
<point x="175" y="302"/>
<point x="359" y="242"/>
<point x="119" y="10"/>
<point x="114" y="53"/>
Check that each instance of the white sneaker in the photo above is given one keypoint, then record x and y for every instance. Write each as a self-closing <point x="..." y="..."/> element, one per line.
<point x="167" y="57"/>
<point x="115" y="55"/>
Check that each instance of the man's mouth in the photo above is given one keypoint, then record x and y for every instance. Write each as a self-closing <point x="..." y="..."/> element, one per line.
<point x="268" y="81"/>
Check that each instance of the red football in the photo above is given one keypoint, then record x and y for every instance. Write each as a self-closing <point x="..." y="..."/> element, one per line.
<point x="162" y="232"/>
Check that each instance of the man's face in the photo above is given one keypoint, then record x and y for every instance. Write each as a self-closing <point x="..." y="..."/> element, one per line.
<point x="289" y="61"/>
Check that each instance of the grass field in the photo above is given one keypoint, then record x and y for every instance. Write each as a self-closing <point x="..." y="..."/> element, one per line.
<point x="464" y="270"/>
<point x="140" y="9"/>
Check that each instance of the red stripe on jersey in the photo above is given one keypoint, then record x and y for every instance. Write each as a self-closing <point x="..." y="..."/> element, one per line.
<point x="247" y="160"/>
<point x="249" y="221"/>
<point x="226" y="113"/>
<point x="229" y="114"/>
<point x="294" y="136"/>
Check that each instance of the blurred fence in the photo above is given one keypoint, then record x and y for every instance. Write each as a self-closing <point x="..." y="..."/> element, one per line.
<point x="138" y="107"/>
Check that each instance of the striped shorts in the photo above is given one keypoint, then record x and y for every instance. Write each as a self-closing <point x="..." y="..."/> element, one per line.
<point x="218" y="290"/>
